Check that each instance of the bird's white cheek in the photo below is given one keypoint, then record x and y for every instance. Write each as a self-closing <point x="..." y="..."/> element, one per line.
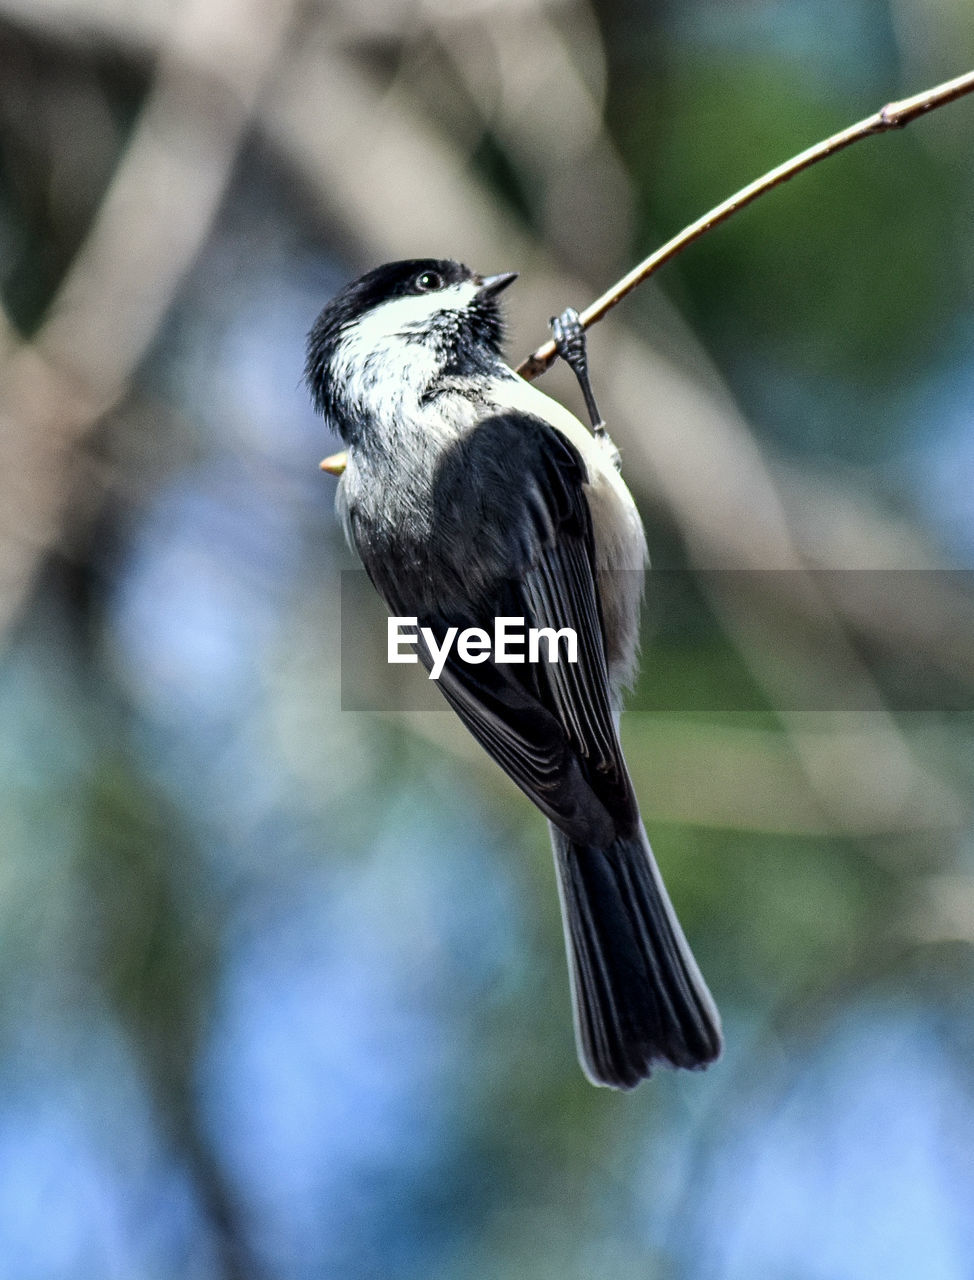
<point x="382" y="379"/>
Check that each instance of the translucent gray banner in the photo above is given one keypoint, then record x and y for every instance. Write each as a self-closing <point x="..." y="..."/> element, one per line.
<point x="742" y="640"/>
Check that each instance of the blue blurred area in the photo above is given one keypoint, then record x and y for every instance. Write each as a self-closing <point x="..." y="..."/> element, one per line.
<point x="858" y="1166"/>
<point x="936" y="471"/>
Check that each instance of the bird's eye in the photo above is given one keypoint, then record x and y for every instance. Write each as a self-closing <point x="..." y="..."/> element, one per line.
<point x="427" y="281"/>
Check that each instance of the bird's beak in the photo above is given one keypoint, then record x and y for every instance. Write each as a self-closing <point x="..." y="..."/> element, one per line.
<point x="492" y="285"/>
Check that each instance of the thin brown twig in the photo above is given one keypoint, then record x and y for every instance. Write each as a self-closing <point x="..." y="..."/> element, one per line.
<point x="895" y="115"/>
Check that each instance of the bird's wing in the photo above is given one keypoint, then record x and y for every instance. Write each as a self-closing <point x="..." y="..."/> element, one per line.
<point x="511" y="536"/>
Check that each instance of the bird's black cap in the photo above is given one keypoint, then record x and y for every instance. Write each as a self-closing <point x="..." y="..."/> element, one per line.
<point x="479" y="334"/>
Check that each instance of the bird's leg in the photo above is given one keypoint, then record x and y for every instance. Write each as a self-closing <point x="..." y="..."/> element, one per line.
<point x="569" y="339"/>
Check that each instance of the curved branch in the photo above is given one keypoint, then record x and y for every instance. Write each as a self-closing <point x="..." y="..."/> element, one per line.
<point x="895" y="115"/>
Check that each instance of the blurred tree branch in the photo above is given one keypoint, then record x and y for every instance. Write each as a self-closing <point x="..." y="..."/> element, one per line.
<point x="153" y="219"/>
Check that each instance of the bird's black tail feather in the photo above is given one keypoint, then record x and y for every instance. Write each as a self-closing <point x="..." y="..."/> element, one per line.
<point x="639" y="997"/>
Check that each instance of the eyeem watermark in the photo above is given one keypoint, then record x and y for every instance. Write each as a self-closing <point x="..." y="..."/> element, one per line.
<point x="510" y="643"/>
<point x="905" y="642"/>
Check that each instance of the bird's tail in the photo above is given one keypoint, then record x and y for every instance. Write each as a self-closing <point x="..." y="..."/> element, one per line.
<point x="638" y="994"/>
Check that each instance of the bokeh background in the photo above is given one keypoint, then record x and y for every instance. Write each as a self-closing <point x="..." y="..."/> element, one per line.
<point x="282" y="986"/>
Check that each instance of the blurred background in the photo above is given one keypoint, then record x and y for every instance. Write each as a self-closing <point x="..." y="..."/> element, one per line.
<point x="282" y="985"/>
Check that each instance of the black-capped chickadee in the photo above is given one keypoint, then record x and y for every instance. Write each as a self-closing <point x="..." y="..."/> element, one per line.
<point x="469" y="495"/>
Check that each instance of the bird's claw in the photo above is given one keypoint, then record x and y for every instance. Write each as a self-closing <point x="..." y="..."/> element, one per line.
<point x="569" y="337"/>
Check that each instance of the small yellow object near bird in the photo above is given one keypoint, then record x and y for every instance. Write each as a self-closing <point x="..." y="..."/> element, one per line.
<point x="334" y="464"/>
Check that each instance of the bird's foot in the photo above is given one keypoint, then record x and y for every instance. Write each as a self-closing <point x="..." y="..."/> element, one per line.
<point x="569" y="337"/>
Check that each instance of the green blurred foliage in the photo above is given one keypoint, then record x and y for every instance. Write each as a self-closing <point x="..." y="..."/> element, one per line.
<point x="844" y="275"/>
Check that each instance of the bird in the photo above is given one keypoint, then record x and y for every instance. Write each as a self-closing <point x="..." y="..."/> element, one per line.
<point x="469" y="494"/>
